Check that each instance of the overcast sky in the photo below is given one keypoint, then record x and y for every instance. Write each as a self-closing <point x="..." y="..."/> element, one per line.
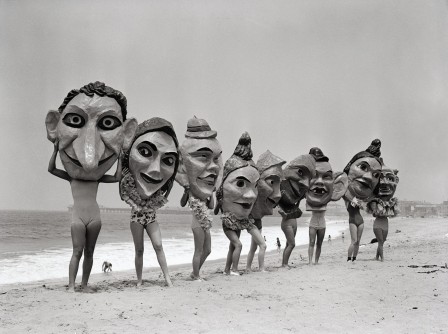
<point x="294" y="74"/>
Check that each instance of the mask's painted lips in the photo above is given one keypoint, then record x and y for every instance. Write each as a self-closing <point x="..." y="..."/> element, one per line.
<point x="246" y="206"/>
<point x="385" y="189"/>
<point x="209" y="179"/>
<point x="364" y="183"/>
<point x="76" y="162"/>
<point x="149" y="179"/>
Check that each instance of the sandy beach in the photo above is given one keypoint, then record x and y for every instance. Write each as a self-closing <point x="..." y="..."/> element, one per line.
<point x="334" y="296"/>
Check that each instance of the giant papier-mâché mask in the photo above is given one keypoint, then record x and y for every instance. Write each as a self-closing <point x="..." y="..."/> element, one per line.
<point x="270" y="168"/>
<point x="153" y="158"/>
<point x="297" y="175"/>
<point x="363" y="172"/>
<point x="201" y="160"/>
<point x="92" y="129"/>
<point x="238" y="190"/>
<point x="326" y="185"/>
<point x="388" y="183"/>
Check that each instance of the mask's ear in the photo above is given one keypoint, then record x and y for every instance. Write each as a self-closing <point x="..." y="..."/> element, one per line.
<point x="51" y="123"/>
<point x="340" y="181"/>
<point x="129" y="128"/>
<point x="181" y="176"/>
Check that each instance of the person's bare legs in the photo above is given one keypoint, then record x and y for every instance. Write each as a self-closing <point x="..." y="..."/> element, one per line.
<point x="229" y="259"/>
<point x="154" y="234"/>
<point x="92" y="231"/>
<point x="137" y="235"/>
<point x="259" y="240"/>
<point x="78" y="232"/>
<point x="251" y="254"/>
<point x="381" y="236"/>
<point x="206" y="251"/>
<point x="358" y="239"/>
<point x="233" y="236"/>
<point x="202" y="249"/>
<point x="354" y="237"/>
<point x="289" y="227"/>
<point x="320" y="240"/>
<point x="312" y="234"/>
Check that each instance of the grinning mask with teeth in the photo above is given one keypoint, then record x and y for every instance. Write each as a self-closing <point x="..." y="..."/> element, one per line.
<point x="326" y="185"/>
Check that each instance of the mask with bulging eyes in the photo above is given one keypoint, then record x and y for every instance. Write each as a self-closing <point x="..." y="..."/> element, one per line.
<point x="388" y="183"/>
<point x="363" y="177"/>
<point x="91" y="133"/>
<point x="240" y="191"/>
<point x="152" y="160"/>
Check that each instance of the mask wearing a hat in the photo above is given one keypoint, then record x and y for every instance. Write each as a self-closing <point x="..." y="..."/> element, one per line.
<point x="238" y="190"/>
<point x="271" y="174"/>
<point x="150" y="165"/>
<point x="294" y="187"/>
<point x="325" y="185"/>
<point x="201" y="161"/>
<point x="364" y="171"/>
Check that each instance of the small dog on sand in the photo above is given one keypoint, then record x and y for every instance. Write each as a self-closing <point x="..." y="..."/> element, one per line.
<point x="107" y="266"/>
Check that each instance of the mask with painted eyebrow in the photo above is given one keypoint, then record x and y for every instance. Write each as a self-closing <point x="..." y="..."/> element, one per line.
<point x="152" y="162"/>
<point x="202" y="164"/>
<point x="363" y="177"/>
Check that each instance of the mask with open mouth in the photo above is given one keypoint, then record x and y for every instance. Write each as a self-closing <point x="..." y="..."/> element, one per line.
<point x="363" y="173"/>
<point x="388" y="183"/>
<point x="201" y="160"/>
<point x="238" y="191"/>
<point x="92" y="129"/>
<point x="326" y="185"/>
<point x="270" y="168"/>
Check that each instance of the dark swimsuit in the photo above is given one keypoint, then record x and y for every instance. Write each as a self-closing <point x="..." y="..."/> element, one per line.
<point x="354" y="216"/>
<point x="257" y="223"/>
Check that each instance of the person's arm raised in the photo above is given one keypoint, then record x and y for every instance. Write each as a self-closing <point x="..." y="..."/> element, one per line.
<point x="52" y="165"/>
<point x="117" y="176"/>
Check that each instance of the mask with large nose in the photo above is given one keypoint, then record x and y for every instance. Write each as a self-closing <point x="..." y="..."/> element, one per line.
<point x="91" y="131"/>
<point x="270" y="167"/>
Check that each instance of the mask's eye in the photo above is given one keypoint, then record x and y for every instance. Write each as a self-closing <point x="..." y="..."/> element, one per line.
<point x="169" y="161"/>
<point x="240" y="183"/>
<point x="74" y="120"/>
<point x="363" y="167"/>
<point x="109" y="123"/>
<point x="391" y="179"/>
<point x="144" y="150"/>
<point x="376" y="175"/>
<point x="300" y="172"/>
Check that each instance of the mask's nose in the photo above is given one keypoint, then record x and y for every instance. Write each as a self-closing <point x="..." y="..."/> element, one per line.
<point x="89" y="147"/>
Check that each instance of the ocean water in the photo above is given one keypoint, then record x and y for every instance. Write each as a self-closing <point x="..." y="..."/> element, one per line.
<point x="36" y="245"/>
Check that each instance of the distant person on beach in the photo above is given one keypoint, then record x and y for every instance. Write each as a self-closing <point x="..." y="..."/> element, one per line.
<point x="89" y="131"/>
<point x="343" y="236"/>
<point x="107" y="266"/>
<point x="297" y="175"/>
<point x="270" y="169"/>
<point x="149" y="168"/>
<point x="384" y="206"/>
<point x="199" y="171"/>
<point x="325" y="186"/>
<point x="363" y="172"/>
<point x="279" y="245"/>
<point x="329" y="238"/>
<point x="235" y="199"/>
